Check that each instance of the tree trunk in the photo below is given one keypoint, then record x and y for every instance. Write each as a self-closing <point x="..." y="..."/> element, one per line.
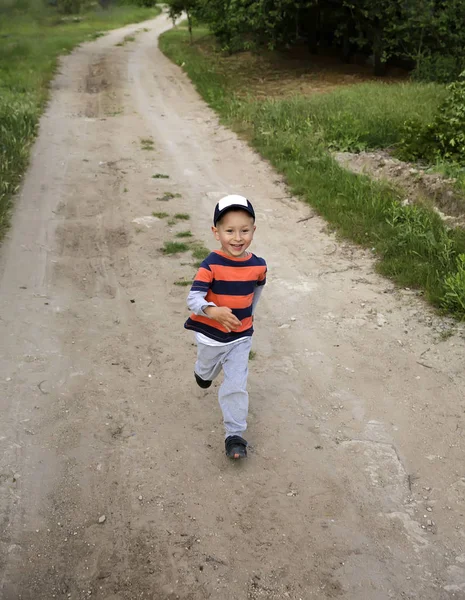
<point x="379" y="64"/>
<point x="313" y="31"/>
<point x="189" y="24"/>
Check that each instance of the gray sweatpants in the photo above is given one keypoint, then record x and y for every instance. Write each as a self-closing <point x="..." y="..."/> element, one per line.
<point x="232" y="395"/>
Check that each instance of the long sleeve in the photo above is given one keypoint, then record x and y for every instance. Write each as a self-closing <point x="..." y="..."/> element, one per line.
<point x="256" y="297"/>
<point x="196" y="302"/>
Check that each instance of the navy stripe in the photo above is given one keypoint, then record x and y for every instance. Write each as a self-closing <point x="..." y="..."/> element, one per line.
<point x="216" y="334"/>
<point x="233" y="288"/>
<point x="203" y="286"/>
<point x="242" y="313"/>
<point x="218" y="259"/>
<point x="262" y="282"/>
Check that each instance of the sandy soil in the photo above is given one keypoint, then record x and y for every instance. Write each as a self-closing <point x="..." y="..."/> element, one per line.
<point x="354" y="487"/>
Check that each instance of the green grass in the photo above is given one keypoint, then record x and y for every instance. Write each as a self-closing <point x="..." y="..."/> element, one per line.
<point x="199" y="251"/>
<point x="182" y="216"/>
<point x="160" y="215"/>
<point x="147" y="144"/>
<point x="413" y="245"/>
<point x="160" y="176"/>
<point x="31" y="40"/>
<point x="183" y="283"/>
<point x="183" y="234"/>
<point x="168" y="196"/>
<point x="126" y="39"/>
<point x="175" y="247"/>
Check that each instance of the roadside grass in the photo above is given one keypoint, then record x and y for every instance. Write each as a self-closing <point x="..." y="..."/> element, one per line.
<point x="414" y="247"/>
<point x="30" y="43"/>
<point x="183" y="283"/>
<point x="182" y="216"/>
<point x="199" y="251"/>
<point x="183" y="234"/>
<point x="126" y="39"/>
<point x="160" y="215"/>
<point x="175" y="247"/>
<point x="160" y="176"/>
<point x="147" y="144"/>
<point x="168" y="196"/>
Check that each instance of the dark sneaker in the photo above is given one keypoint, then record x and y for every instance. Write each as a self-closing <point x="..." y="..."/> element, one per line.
<point x="203" y="383"/>
<point x="236" y="447"/>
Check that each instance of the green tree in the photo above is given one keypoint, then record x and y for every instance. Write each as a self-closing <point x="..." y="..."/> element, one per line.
<point x="188" y="7"/>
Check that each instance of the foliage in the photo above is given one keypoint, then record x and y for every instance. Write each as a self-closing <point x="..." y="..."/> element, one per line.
<point x="444" y="136"/>
<point x="442" y="68"/>
<point x="454" y="284"/>
<point x="416" y="31"/>
<point x="188" y="7"/>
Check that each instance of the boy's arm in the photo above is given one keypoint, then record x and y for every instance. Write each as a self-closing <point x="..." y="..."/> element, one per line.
<point x="256" y="297"/>
<point x="196" y="301"/>
<point x="258" y="290"/>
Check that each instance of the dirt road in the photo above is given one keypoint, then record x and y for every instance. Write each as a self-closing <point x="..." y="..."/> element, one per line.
<point x="354" y="487"/>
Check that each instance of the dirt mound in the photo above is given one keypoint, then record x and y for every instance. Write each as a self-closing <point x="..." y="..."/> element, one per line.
<point x="415" y="184"/>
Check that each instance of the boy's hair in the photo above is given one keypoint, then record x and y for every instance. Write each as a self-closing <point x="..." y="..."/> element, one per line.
<point x="229" y="203"/>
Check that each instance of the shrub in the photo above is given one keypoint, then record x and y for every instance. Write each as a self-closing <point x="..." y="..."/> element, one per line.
<point x="454" y="298"/>
<point x="439" y="68"/>
<point x="444" y="137"/>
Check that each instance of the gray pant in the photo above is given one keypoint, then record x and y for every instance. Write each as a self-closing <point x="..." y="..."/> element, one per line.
<point x="232" y="395"/>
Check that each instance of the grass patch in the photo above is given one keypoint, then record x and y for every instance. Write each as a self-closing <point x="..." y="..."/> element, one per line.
<point x="182" y="216"/>
<point x="160" y="176"/>
<point x="31" y="40"/>
<point x="175" y="247"/>
<point x="252" y="355"/>
<point x="160" y="215"/>
<point x="183" y="234"/>
<point x="413" y="245"/>
<point x="168" y="196"/>
<point x="183" y="283"/>
<point x="199" y="251"/>
<point x="147" y="144"/>
<point x="126" y="39"/>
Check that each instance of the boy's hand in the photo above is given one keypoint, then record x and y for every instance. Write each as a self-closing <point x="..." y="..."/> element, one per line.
<point x="224" y="316"/>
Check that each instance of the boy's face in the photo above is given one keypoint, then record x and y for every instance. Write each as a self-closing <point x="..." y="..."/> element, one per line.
<point x="235" y="232"/>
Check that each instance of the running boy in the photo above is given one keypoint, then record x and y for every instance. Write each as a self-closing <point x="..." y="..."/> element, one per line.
<point x="223" y="298"/>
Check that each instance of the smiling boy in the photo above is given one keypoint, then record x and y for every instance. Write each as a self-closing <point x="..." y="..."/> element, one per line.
<point x="222" y="299"/>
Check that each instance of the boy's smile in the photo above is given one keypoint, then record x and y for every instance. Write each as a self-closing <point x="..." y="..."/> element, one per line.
<point x="235" y="232"/>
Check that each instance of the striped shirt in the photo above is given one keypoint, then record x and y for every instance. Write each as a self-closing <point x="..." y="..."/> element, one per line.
<point x="231" y="282"/>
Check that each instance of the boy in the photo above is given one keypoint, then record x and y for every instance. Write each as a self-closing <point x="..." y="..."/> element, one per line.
<point x="223" y="298"/>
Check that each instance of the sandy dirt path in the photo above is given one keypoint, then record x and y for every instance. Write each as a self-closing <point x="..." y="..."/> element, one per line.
<point x="354" y="487"/>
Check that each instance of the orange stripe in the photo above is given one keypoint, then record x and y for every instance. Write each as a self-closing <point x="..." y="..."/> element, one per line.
<point x="246" y="323"/>
<point x="203" y="275"/>
<point x="222" y="273"/>
<point x="229" y="301"/>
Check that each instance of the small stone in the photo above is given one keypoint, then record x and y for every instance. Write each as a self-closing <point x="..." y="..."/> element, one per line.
<point x="284" y="326"/>
<point x="293" y="319"/>
<point x="381" y="320"/>
<point x="429" y="509"/>
<point x="102" y="519"/>
<point x="140" y="498"/>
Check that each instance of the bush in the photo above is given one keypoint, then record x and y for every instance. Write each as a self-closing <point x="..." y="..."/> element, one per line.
<point x="444" y="137"/>
<point x="69" y="7"/>
<point x="454" y="298"/>
<point x="438" y="68"/>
